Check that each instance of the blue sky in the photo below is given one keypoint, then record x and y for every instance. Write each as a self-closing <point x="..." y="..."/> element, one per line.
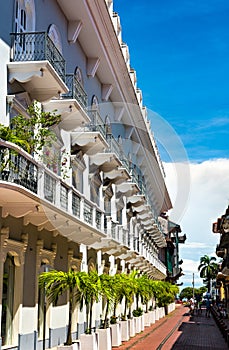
<point x="180" y="51"/>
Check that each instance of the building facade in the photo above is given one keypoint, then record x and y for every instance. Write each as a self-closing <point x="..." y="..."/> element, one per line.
<point x="93" y="197"/>
<point x="221" y="226"/>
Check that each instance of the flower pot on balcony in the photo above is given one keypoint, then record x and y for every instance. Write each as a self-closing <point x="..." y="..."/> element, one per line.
<point x="104" y="338"/>
<point x="116" y="334"/>
<point x="89" y="341"/>
<point x="132" y="331"/>
<point x="125" y="330"/>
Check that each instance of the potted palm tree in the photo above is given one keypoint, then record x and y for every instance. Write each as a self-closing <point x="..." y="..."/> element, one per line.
<point x="108" y="292"/>
<point x="89" y="293"/>
<point x="56" y="283"/>
<point x="121" y="294"/>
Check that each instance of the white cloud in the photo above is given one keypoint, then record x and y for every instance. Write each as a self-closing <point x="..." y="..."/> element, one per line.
<point x="208" y="199"/>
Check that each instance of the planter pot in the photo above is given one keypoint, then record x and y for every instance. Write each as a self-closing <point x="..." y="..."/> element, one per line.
<point x="89" y="341"/>
<point x="142" y="322"/>
<point x="153" y="316"/>
<point x="104" y="339"/>
<point x="157" y="314"/>
<point x="124" y="330"/>
<point x="131" y="327"/>
<point x="75" y="346"/>
<point x="147" y="319"/>
<point x="116" y="334"/>
<point x="138" y="324"/>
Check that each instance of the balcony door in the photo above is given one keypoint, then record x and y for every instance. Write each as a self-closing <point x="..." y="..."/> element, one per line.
<point x="24" y="21"/>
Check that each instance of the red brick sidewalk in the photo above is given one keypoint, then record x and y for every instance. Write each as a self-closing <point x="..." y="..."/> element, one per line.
<point x="183" y="333"/>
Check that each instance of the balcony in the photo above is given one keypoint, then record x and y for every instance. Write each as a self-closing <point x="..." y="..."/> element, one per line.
<point x="88" y="142"/>
<point x="76" y="91"/>
<point x="18" y="169"/>
<point x="96" y="124"/>
<point x="48" y="202"/>
<point x="72" y="106"/>
<point x="38" y="65"/>
<point x="220" y="252"/>
<point x="90" y="139"/>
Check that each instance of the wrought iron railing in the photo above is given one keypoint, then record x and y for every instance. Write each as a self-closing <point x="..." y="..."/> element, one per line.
<point x="87" y="213"/>
<point x="113" y="230"/>
<point x="18" y="169"/>
<point x="49" y="188"/>
<point x="76" y="91"/>
<point x="133" y="173"/>
<point x="114" y="146"/>
<point x="125" y="161"/>
<point x="37" y="46"/>
<point x="75" y="205"/>
<point x="96" y="124"/>
<point x="98" y="219"/>
<point x="141" y="185"/>
<point x="63" y="197"/>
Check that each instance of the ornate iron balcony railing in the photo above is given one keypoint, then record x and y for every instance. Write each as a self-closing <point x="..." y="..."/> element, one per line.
<point x="37" y="46"/>
<point x="114" y="146"/>
<point x="97" y="124"/>
<point x="18" y="169"/>
<point x="76" y="90"/>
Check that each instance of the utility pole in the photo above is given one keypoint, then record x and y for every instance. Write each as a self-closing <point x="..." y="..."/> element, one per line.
<point x="193" y="294"/>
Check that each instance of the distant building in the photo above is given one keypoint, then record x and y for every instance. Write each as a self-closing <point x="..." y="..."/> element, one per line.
<point x="221" y="226"/>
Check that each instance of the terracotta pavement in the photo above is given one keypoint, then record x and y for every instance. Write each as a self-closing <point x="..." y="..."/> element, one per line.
<point x="178" y="331"/>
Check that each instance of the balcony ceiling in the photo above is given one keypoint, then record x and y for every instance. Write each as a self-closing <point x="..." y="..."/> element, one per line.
<point x="44" y="215"/>
<point x="128" y="189"/>
<point x="117" y="176"/>
<point x="105" y="161"/>
<point x="72" y="115"/>
<point x="39" y="79"/>
<point x="136" y="200"/>
<point x="143" y="209"/>
<point x="89" y="142"/>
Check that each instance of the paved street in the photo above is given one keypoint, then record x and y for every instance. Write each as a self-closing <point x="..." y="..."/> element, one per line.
<point x="179" y="331"/>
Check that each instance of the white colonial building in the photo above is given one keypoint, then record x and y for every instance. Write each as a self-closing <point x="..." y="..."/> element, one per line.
<point x="94" y="197"/>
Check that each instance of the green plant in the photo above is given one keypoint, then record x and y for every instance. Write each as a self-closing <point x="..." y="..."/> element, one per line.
<point x="108" y="293"/>
<point x="138" y="312"/>
<point x="113" y="319"/>
<point x="31" y="133"/>
<point x="34" y="134"/>
<point x="55" y="283"/>
<point x="89" y="292"/>
<point x="208" y="270"/>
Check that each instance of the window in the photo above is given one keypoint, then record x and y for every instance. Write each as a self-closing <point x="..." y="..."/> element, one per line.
<point x="54" y="35"/>
<point x="24" y="18"/>
<point x="79" y="76"/>
<point x="95" y="103"/>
